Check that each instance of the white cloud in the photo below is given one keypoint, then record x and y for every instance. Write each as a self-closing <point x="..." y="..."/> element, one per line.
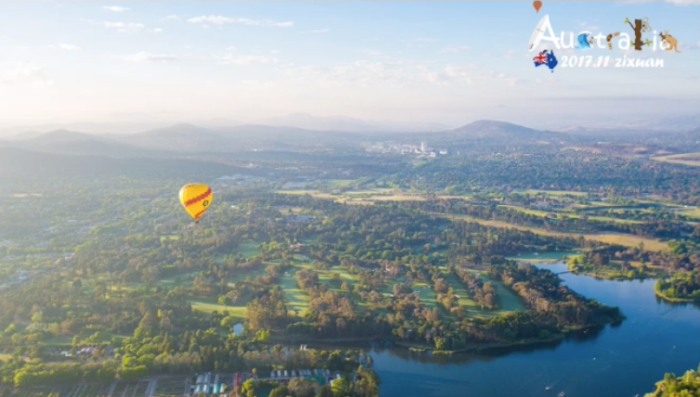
<point x="358" y="73"/>
<point x="221" y="20"/>
<point x="688" y="47"/>
<point x="585" y="27"/>
<point x="245" y="60"/>
<point x="67" y="47"/>
<point x="465" y="73"/>
<point x="371" y="53"/>
<point x="124" y="27"/>
<point x="677" y="2"/>
<point x="455" y="49"/>
<point x="684" y="2"/>
<point x="157" y="30"/>
<point x="115" y="8"/>
<point x="172" y="18"/>
<point x="23" y="73"/>
<point x="452" y="74"/>
<point x="432" y="76"/>
<point x="404" y="74"/>
<point x="148" y="57"/>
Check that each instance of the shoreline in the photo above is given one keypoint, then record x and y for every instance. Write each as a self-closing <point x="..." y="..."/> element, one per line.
<point x="415" y="347"/>
<point x="672" y="300"/>
<point x="474" y="347"/>
<point x="484" y="346"/>
<point x="612" y="278"/>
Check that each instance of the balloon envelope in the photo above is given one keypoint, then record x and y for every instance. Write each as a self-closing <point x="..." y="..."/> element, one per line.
<point x="196" y="198"/>
<point x="537" y="4"/>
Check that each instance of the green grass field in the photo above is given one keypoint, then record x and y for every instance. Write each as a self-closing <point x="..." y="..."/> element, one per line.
<point x="210" y="306"/>
<point x="509" y="301"/>
<point x="426" y="294"/>
<point x="689" y="159"/>
<point x="528" y="211"/>
<point x="248" y="249"/>
<point x="626" y="240"/>
<point x="543" y="214"/>
<point x="534" y="192"/>
<point x="297" y="299"/>
<point x="692" y="213"/>
<point x="339" y="183"/>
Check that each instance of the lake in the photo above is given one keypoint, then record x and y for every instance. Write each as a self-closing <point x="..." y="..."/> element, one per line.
<point x="620" y="361"/>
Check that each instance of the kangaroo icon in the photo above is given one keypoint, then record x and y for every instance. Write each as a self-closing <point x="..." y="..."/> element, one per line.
<point x="668" y="42"/>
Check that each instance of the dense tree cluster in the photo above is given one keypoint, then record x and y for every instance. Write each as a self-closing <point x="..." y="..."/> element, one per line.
<point x="483" y="293"/>
<point x="541" y="291"/>
<point x="672" y="385"/>
<point x="681" y="286"/>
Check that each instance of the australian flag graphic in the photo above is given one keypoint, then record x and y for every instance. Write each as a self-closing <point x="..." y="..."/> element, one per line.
<point x="546" y="58"/>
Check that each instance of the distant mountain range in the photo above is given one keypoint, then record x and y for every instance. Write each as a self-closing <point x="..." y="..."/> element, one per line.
<point x="15" y="162"/>
<point x="349" y="124"/>
<point x="188" y="138"/>
<point x="296" y="120"/>
<point x="666" y="124"/>
<point x="181" y="138"/>
<point x="78" y="143"/>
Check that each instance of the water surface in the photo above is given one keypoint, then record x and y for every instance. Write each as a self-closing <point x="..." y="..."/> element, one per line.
<point x="620" y="361"/>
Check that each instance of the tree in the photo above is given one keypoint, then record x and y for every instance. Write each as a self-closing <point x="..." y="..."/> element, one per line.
<point x="439" y="343"/>
<point x="367" y="384"/>
<point x="281" y="391"/>
<point x="224" y="300"/>
<point x="37" y="317"/>
<point x="326" y="391"/>
<point x="335" y="361"/>
<point x="341" y="387"/>
<point x="248" y="388"/>
<point x="263" y="335"/>
<point x="302" y="387"/>
<point x="335" y="278"/>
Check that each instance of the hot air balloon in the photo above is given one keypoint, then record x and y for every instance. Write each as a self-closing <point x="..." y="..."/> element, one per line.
<point x="537" y="4"/>
<point x="196" y="198"/>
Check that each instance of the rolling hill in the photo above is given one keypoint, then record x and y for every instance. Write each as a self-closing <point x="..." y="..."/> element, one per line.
<point x="20" y="163"/>
<point x="489" y="129"/>
<point x="78" y="143"/>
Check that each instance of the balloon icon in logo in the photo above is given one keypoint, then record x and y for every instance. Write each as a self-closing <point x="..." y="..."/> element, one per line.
<point x="537" y="4"/>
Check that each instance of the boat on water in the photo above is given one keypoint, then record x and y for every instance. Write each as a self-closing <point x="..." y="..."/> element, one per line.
<point x="562" y="394"/>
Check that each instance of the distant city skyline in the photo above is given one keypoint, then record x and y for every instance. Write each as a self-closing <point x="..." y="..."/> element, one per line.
<point x="446" y="63"/>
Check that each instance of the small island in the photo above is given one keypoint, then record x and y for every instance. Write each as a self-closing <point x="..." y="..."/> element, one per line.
<point x="681" y="287"/>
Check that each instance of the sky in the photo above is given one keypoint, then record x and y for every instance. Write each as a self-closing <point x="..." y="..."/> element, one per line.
<point x="443" y="62"/>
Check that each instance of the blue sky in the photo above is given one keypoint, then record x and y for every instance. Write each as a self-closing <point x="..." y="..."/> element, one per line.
<point x="448" y="62"/>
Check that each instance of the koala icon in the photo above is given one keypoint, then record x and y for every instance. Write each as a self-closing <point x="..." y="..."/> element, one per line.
<point x="645" y="25"/>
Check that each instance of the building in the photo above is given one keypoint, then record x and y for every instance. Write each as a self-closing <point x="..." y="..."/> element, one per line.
<point x="208" y="384"/>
